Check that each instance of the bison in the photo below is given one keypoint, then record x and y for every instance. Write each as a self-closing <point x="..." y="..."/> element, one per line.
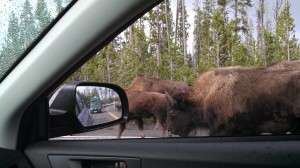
<point x="238" y="101"/>
<point x="118" y="106"/>
<point x="145" y="105"/>
<point x="292" y="65"/>
<point x="150" y="84"/>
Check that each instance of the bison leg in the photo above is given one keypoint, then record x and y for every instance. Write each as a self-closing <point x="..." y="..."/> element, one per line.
<point x="159" y="121"/>
<point x="140" y="125"/>
<point x="156" y="125"/>
<point x="121" y="129"/>
<point x="164" y="131"/>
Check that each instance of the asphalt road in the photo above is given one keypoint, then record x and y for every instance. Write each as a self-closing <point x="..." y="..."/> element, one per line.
<point x="110" y="113"/>
<point x="131" y="131"/>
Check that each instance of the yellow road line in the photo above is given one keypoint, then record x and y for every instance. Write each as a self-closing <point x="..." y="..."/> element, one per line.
<point x="113" y="116"/>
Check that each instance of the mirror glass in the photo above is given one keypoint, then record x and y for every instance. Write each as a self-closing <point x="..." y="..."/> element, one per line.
<point x="97" y="105"/>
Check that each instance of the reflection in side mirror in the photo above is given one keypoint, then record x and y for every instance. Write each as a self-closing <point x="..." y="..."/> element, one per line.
<point x="85" y="106"/>
<point x="97" y="105"/>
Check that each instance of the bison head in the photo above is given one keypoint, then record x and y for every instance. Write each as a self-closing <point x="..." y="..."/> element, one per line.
<point x="180" y="116"/>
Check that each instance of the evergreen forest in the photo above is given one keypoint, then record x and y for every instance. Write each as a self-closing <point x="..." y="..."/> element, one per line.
<point x="223" y="34"/>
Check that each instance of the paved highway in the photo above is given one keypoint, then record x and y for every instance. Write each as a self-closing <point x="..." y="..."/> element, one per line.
<point x="109" y="113"/>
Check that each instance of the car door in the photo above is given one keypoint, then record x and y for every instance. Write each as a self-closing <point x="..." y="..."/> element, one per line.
<point x="86" y="27"/>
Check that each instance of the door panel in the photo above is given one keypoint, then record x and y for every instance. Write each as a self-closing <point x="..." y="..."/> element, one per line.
<point x="267" y="151"/>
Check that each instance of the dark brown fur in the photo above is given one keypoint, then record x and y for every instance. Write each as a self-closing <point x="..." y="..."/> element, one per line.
<point x="239" y="101"/>
<point x="145" y="105"/>
<point x="291" y="65"/>
<point x="118" y="106"/>
<point x="149" y="84"/>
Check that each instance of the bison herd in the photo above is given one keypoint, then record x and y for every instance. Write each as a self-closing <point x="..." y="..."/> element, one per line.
<point x="225" y="101"/>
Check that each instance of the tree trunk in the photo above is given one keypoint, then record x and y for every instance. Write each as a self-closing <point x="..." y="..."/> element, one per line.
<point x="184" y="33"/>
<point x="218" y="53"/>
<point x="167" y="25"/>
<point x="262" y="43"/>
<point x="288" y="36"/>
<point x="158" y="38"/>
<point x="197" y="39"/>
<point x="108" y="66"/>
<point x="168" y="40"/>
<point x="288" y="42"/>
<point x="236" y="16"/>
<point x="85" y="73"/>
<point x="131" y="42"/>
<point x="176" y="21"/>
<point x="278" y="5"/>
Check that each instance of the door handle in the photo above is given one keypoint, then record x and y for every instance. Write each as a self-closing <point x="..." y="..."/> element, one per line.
<point x="69" y="161"/>
<point x="120" y="165"/>
<point x="103" y="164"/>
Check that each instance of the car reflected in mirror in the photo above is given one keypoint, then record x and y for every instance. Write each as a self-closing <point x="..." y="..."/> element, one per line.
<point x="101" y="103"/>
<point x="84" y="106"/>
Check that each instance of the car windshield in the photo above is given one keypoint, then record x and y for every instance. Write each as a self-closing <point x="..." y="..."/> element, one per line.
<point x="22" y="21"/>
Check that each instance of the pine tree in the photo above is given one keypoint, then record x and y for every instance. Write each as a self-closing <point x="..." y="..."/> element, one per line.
<point x="12" y="48"/>
<point x="185" y="26"/>
<point x="294" y="48"/>
<point x="155" y="35"/>
<point x="206" y="35"/>
<point x="160" y="41"/>
<point x="260" y="29"/>
<point x="219" y="36"/>
<point x="59" y="6"/>
<point x="167" y="37"/>
<point x="240" y="14"/>
<point x="238" y="34"/>
<point x="182" y="60"/>
<point x="219" y="40"/>
<point x="277" y="8"/>
<point x="197" y="37"/>
<point x="42" y="15"/>
<point x="28" y="31"/>
<point x="285" y="28"/>
<point x="250" y="44"/>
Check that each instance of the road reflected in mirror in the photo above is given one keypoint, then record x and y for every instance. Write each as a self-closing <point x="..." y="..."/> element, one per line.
<point x="97" y="105"/>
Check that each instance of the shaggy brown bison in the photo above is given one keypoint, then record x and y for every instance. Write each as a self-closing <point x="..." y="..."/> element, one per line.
<point x="145" y="105"/>
<point x="292" y="65"/>
<point x="150" y="84"/>
<point x="118" y="106"/>
<point x="239" y="101"/>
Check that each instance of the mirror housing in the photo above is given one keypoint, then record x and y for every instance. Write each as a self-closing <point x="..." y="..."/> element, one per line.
<point x="66" y="119"/>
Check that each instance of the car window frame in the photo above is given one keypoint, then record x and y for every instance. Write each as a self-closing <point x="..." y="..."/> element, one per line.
<point x="43" y="97"/>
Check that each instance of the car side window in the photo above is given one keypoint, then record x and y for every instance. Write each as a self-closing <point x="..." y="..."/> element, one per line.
<point x="203" y="68"/>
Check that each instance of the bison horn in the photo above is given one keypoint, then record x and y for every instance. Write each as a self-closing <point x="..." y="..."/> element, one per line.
<point x="170" y="99"/>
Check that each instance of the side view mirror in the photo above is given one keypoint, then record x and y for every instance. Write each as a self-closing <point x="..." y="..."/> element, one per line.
<point x="84" y="106"/>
